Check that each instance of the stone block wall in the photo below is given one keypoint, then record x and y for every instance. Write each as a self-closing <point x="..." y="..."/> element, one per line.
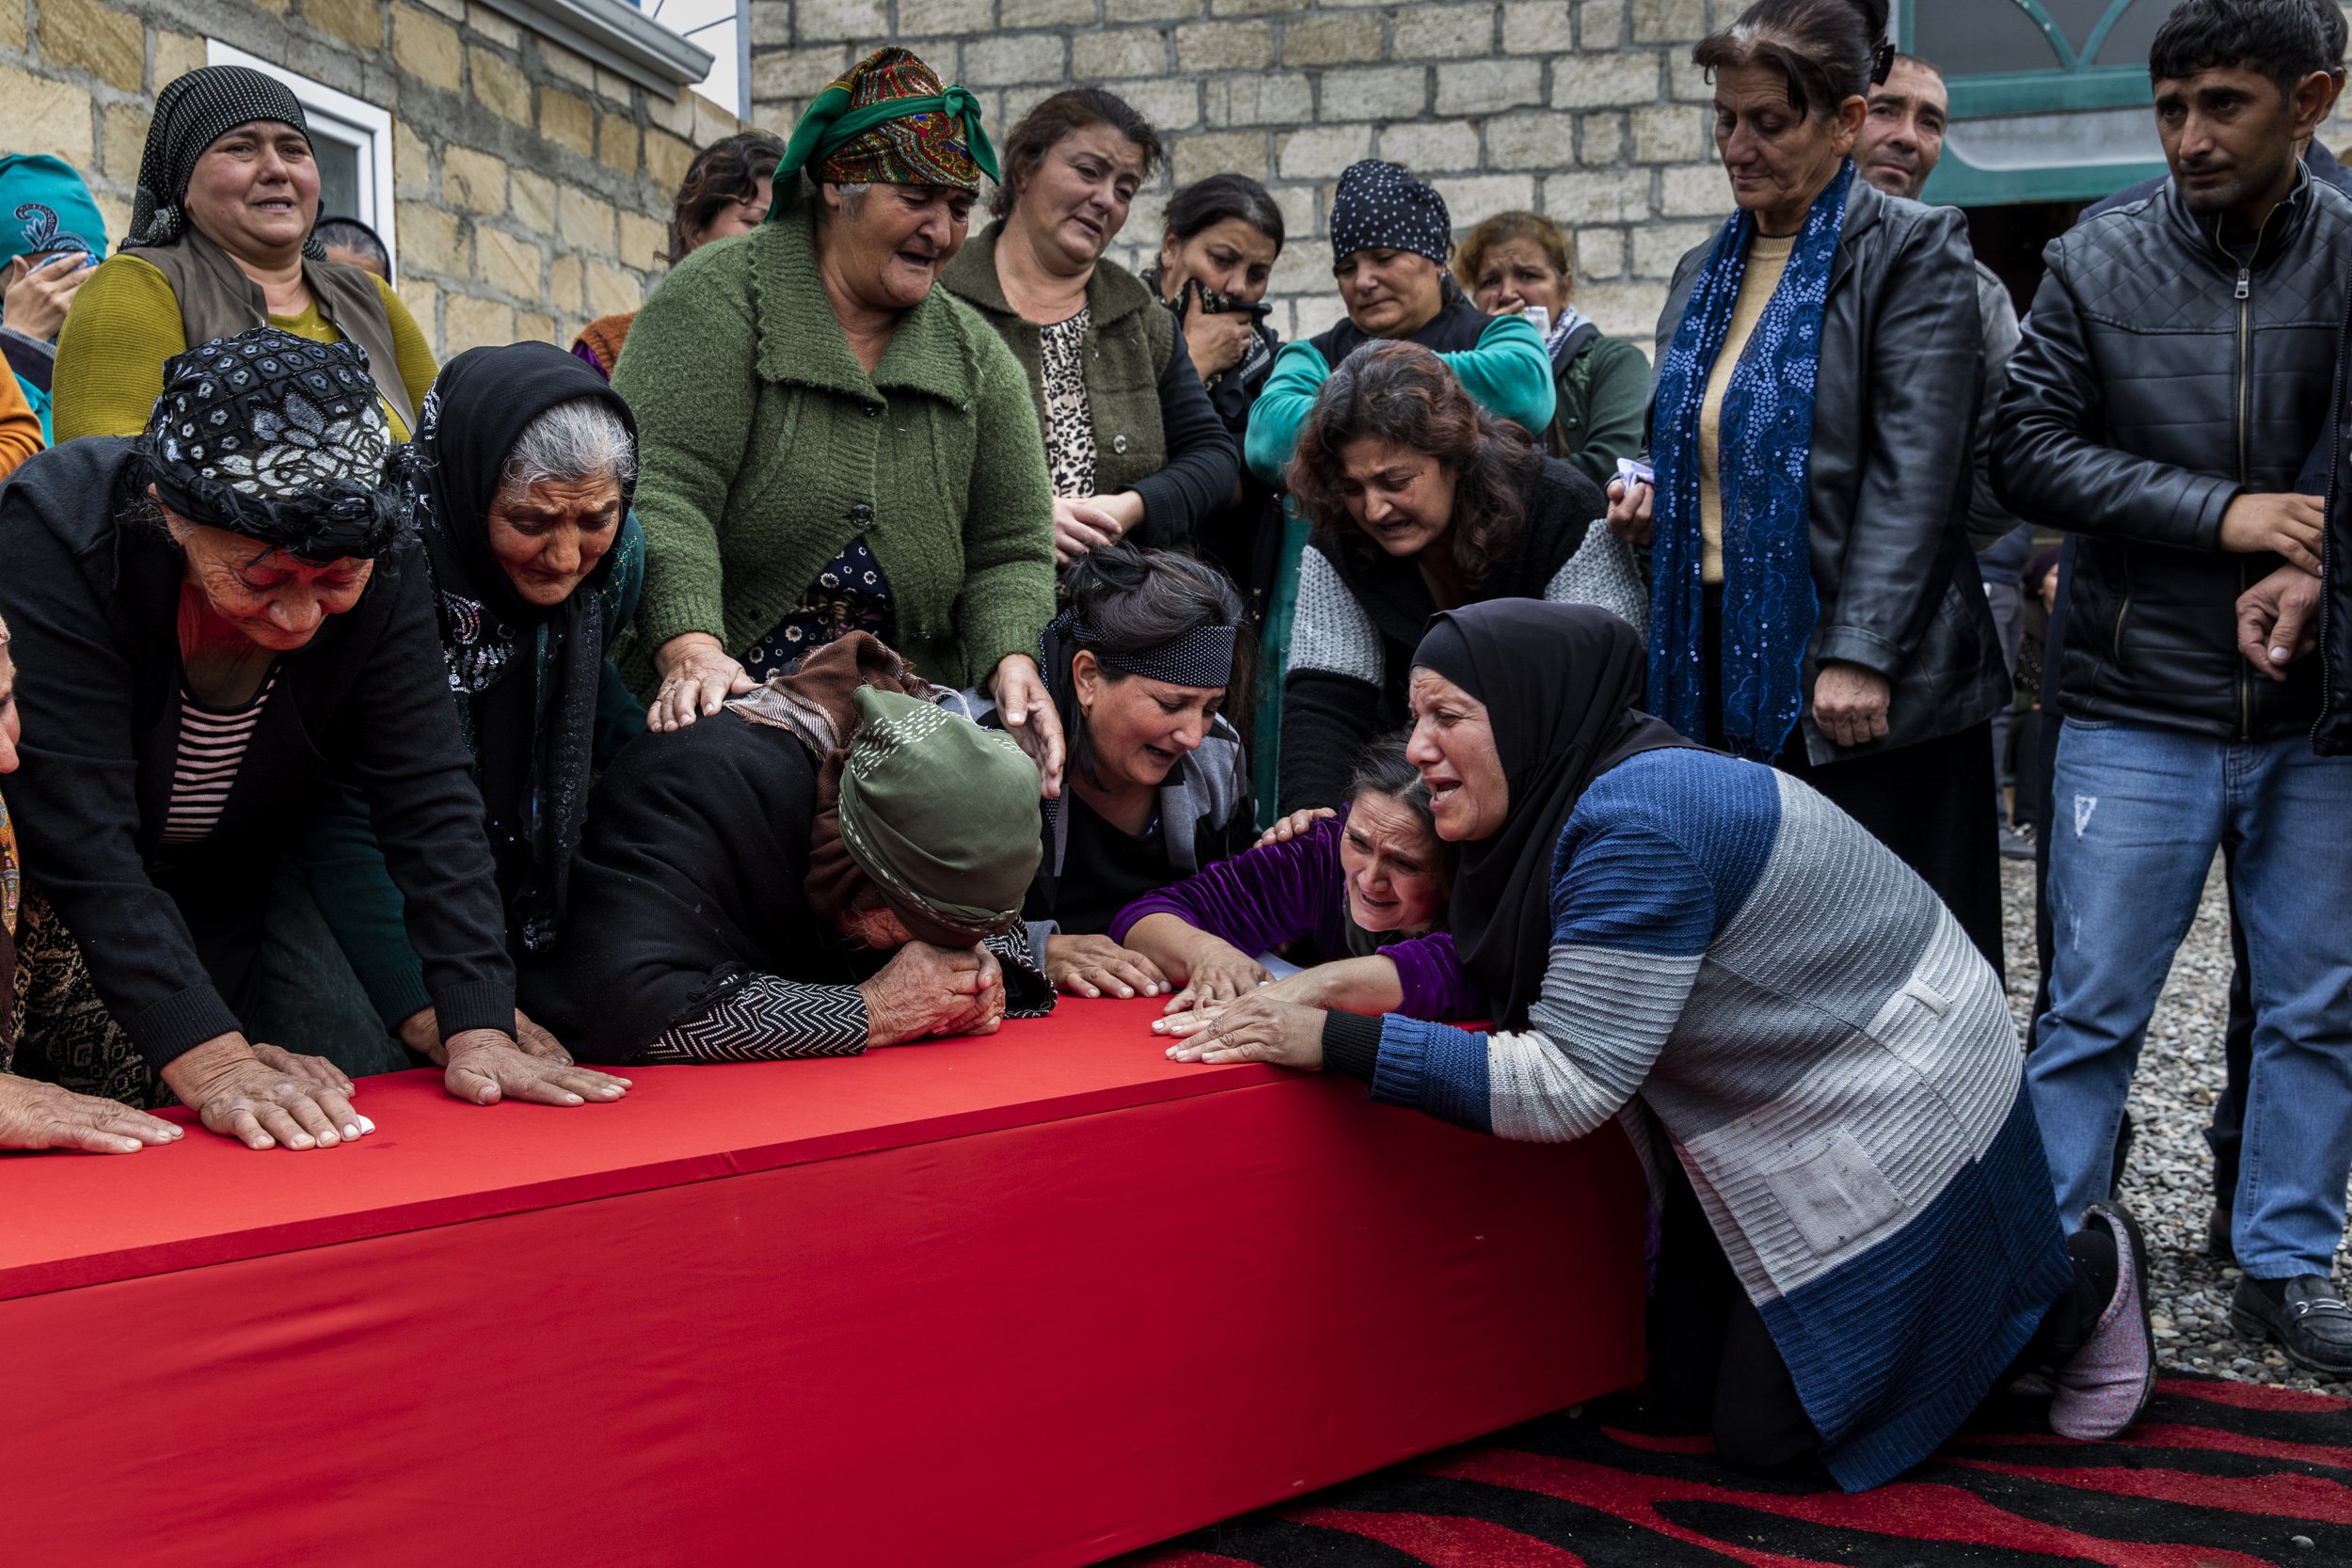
<point x="533" y="187"/>
<point x="1586" y="110"/>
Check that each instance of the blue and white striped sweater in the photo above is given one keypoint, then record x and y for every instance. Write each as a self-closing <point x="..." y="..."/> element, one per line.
<point x="1835" y="1064"/>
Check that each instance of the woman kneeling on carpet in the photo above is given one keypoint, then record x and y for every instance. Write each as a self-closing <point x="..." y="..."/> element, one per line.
<point x="1138" y="662"/>
<point x="1831" y="1062"/>
<point x="210" y="618"/>
<point x="1364" y="891"/>
<point x="832" y="862"/>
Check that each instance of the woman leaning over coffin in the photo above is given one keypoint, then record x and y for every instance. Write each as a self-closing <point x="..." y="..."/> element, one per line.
<point x="829" y="443"/>
<point x="1139" y="662"/>
<point x="1710" y="949"/>
<point x="208" y="619"/>
<point x="518" y="488"/>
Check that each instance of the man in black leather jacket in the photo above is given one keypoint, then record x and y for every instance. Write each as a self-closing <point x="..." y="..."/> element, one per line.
<point x="2175" y="373"/>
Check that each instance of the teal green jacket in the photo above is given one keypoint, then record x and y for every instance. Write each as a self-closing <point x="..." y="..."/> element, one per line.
<point x="344" y="865"/>
<point x="1508" y="374"/>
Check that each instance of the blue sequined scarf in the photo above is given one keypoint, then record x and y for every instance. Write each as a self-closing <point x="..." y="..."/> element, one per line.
<point x="1764" y="461"/>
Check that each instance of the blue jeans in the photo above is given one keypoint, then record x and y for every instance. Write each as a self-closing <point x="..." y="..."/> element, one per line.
<point x="2135" y="818"/>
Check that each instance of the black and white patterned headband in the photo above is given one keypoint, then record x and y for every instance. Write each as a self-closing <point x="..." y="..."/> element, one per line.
<point x="1202" y="657"/>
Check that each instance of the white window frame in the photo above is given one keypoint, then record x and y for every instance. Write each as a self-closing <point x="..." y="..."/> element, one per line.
<point x="337" y="116"/>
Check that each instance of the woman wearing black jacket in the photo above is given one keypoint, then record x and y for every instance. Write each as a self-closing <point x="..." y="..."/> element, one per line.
<point x="1420" y="501"/>
<point x="206" y="618"/>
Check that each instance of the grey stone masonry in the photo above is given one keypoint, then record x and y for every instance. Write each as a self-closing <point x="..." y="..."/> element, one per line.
<point x="1588" y="111"/>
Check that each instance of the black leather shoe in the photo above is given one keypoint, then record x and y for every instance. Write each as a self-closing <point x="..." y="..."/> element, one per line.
<point x="2305" y="1315"/>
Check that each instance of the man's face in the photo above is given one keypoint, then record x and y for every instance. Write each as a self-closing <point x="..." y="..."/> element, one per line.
<point x="2230" y="134"/>
<point x="1902" y="135"/>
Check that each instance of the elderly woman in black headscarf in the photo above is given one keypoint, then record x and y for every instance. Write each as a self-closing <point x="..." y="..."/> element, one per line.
<point x="208" y="619"/>
<point x="221" y="242"/>
<point x="519" y="485"/>
<point x="832" y="862"/>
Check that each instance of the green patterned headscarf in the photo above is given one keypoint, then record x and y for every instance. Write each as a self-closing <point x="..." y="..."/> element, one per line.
<point x="942" y="816"/>
<point x="889" y="122"/>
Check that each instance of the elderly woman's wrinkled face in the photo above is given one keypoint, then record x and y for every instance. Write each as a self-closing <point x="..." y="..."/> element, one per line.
<point x="256" y="189"/>
<point x="1403" y="499"/>
<point x="1137" y="729"/>
<point x="1779" y="157"/>
<point x="870" y="923"/>
<point x="1396" y="865"/>
<point x="550" y="535"/>
<point x="263" y="592"/>
<point x="1232" y="256"/>
<point x="1516" y="273"/>
<point x="1454" y="746"/>
<point x="887" y="245"/>
<point x="739" y="217"/>
<point x="1075" y="202"/>
<point x="11" y="725"/>
<point x="1390" y="294"/>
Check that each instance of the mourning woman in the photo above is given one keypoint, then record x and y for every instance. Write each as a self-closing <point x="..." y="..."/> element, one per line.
<point x="1420" y="500"/>
<point x="1138" y="660"/>
<point x="1357" y="895"/>
<point x="1220" y="240"/>
<point x="1135" y="448"/>
<point x="828" y="443"/>
<point x="1710" y="949"/>
<point x="831" y="863"/>
<point x="518" y="488"/>
<point x="1814" y="602"/>
<point x="220" y="243"/>
<point x="208" y="619"/>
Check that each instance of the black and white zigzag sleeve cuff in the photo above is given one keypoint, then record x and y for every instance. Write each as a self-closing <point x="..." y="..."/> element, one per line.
<point x="768" y="1019"/>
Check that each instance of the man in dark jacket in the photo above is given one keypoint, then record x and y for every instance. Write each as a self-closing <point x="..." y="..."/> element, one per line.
<point x="2174" y="375"/>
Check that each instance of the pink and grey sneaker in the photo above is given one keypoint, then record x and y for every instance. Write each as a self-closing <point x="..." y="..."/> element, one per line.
<point x="2104" y="1388"/>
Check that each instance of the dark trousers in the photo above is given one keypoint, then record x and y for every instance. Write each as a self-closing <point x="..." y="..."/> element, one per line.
<point x="1713" y="1358"/>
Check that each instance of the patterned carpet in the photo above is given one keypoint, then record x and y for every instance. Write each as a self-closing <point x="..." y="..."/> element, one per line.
<point x="2219" y="1475"/>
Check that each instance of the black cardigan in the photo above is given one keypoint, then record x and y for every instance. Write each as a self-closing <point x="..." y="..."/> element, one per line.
<point x="91" y="599"/>
<point x="691" y="879"/>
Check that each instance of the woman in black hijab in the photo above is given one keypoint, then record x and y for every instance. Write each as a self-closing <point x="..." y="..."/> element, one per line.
<point x="1708" y="949"/>
<point x="518" y="487"/>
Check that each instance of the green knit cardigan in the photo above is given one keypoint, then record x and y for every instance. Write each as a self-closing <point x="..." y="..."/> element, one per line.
<point x="763" y="448"/>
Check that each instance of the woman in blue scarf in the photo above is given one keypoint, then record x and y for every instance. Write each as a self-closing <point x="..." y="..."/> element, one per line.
<point x="1815" y="603"/>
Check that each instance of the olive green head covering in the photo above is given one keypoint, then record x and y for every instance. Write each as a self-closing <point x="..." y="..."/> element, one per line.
<point x="942" y="816"/>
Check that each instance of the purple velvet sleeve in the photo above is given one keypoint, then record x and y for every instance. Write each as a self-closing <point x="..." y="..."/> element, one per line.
<point x="1259" y="899"/>
<point x="1432" y="979"/>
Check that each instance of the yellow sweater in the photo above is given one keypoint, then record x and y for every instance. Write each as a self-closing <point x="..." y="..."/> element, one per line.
<point x="1768" y="257"/>
<point x="125" y="322"/>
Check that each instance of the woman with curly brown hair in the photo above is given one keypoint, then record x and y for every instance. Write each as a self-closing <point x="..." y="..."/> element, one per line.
<point x="727" y="192"/>
<point x="1420" y="500"/>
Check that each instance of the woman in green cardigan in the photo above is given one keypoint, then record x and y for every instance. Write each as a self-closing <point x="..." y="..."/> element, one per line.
<point x="829" y="444"/>
<point x="1136" y="450"/>
<point x="1523" y="265"/>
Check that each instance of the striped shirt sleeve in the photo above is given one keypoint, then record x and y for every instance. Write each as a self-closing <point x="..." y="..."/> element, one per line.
<point x="1632" y="915"/>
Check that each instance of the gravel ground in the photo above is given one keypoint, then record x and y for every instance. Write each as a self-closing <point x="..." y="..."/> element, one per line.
<point x="2170" y="1182"/>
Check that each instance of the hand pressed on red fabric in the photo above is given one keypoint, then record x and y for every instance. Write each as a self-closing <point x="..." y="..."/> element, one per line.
<point x="1260" y="1029"/>
<point x="485" y="1067"/>
<point x="34" y="1115"/>
<point x="1097" y="966"/>
<point x="265" y="1096"/>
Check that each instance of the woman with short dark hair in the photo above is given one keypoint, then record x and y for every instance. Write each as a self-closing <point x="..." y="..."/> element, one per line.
<point x="1139" y="662"/>
<point x="727" y="191"/>
<point x="1815" y="600"/>
<point x="1420" y="500"/>
<point x="1134" y="446"/>
<point x="210" y="618"/>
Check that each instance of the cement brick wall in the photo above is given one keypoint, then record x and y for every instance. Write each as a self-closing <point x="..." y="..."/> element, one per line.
<point x="1586" y="110"/>
<point x="533" y="187"/>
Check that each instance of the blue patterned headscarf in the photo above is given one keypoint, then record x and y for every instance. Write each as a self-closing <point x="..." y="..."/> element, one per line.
<point x="1764" y="467"/>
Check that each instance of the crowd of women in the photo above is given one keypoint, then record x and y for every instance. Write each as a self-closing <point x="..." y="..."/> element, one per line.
<point x="910" y="627"/>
